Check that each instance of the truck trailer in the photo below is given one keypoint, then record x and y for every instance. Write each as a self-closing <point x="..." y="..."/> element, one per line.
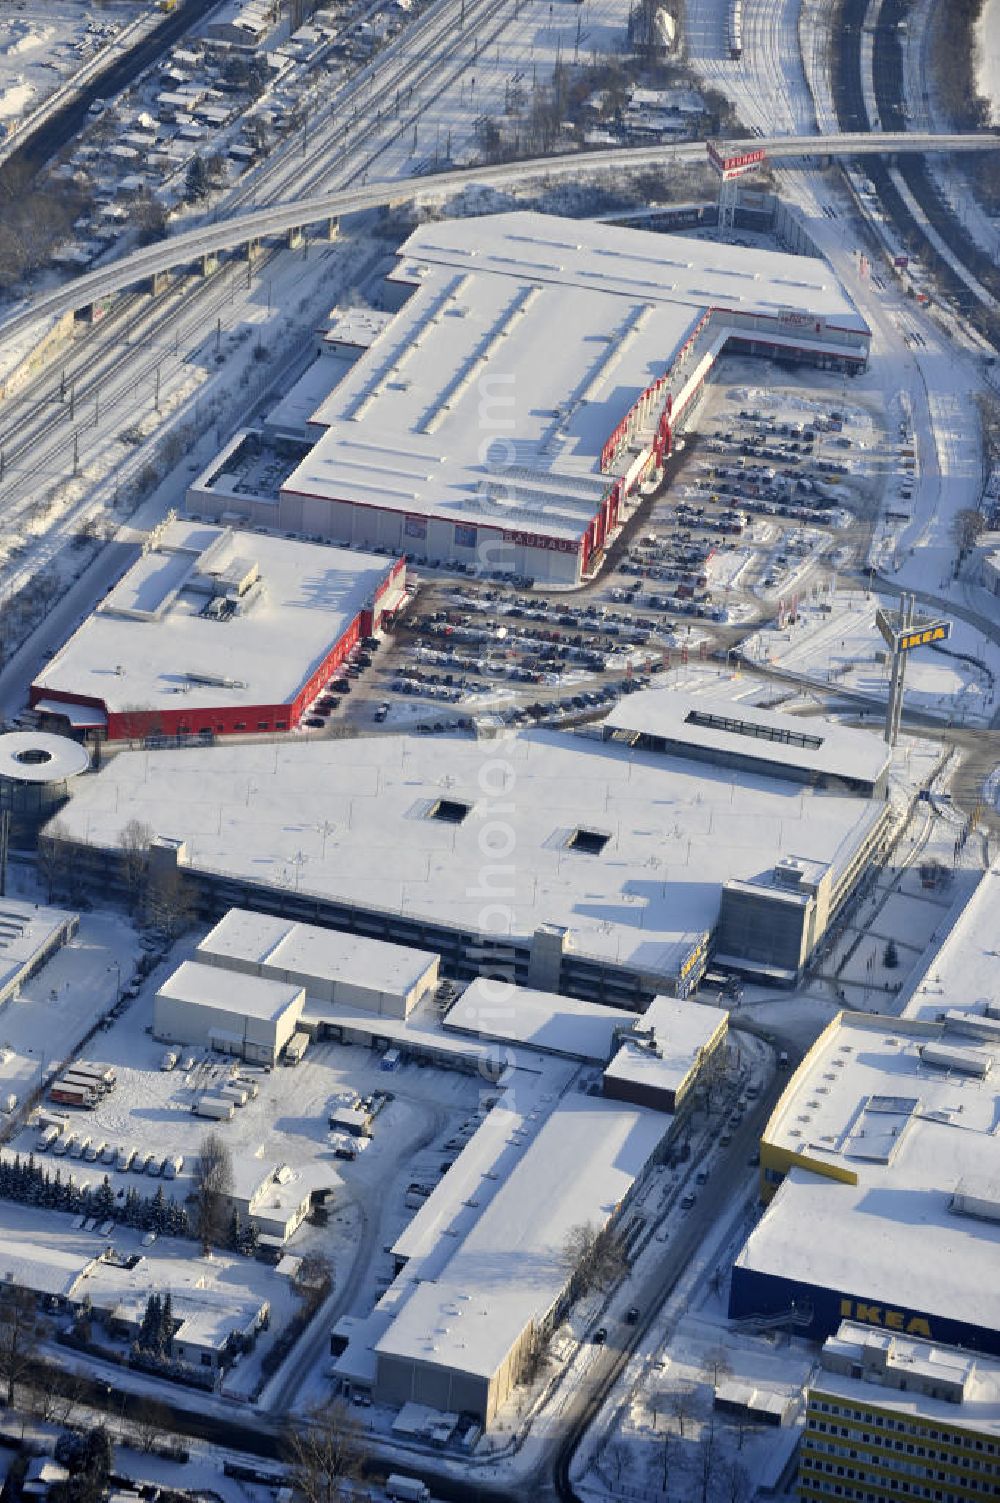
<point x="68" y="1094"/>
<point x="295" y="1048"/>
<point x="217" y="1107"/>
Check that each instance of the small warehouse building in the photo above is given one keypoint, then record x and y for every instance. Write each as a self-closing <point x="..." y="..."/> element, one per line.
<point x="467" y="1313"/>
<point x="214" y="632"/>
<point x="252" y="1017"/>
<point x="347" y="969"/>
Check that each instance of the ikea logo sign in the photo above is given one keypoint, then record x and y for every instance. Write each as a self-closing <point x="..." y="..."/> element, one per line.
<point x="939" y="632"/>
<point x="881" y="1315"/>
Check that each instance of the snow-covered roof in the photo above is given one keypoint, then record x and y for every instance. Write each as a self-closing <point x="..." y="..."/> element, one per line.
<point x="510" y="1268"/>
<point x="38" y="757"/>
<point x="667" y="1044"/>
<point x="918" y="1370"/>
<point x="966" y="971"/>
<point x="541" y="1020"/>
<point x="868" y="1106"/>
<point x="433" y="420"/>
<point x="486" y="1162"/>
<point x="151" y="643"/>
<point x="620" y="847"/>
<point x="43" y="1251"/>
<point x="306" y="950"/>
<point x="806" y="743"/>
<point x="209" y="986"/>
<point x="359" y="327"/>
<point x="28" y="932"/>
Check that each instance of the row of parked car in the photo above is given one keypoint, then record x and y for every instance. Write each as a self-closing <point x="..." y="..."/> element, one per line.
<point x="83" y="1146"/>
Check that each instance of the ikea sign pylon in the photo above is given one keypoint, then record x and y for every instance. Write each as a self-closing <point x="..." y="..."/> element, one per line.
<point x="915" y="634"/>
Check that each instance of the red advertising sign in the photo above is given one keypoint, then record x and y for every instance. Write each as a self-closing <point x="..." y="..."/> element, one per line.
<point x="537" y="540"/>
<point x="735" y="164"/>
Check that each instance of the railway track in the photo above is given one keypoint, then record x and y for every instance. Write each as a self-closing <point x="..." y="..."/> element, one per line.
<point x="852" y="116"/>
<point x="58" y="424"/>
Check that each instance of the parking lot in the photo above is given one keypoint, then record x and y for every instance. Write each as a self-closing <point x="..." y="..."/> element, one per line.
<point x="764" y="502"/>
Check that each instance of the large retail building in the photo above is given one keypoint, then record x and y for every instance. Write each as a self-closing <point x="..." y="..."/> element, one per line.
<point x="534" y="374"/>
<point x="215" y="632"/>
<point x="880" y="1167"/>
<point x="574" y="863"/>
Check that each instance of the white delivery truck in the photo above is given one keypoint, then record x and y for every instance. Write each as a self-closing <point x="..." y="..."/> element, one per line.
<point x="407" y="1489"/>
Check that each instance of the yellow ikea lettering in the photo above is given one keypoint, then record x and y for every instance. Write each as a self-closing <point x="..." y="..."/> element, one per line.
<point x="892" y="1320"/>
<point x="921" y="638"/>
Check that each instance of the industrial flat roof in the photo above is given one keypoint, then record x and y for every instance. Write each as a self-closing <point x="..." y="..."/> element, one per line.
<point x="541" y="1020"/>
<point x="355" y="821"/>
<point x="49" y="1257"/>
<point x="510" y="1268"/>
<point x="979" y="1409"/>
<point x="210" y="986"/>
<point x="966" y="970"/>
<point x="311" y="951"/>
<point x="150" y="646"/>
<point x="667" y="1043"/>
<point x="731" y="727"/>
<point x="26" y="929"/>
<point x="588" y="315"/>
<point x="868" y="1102"/>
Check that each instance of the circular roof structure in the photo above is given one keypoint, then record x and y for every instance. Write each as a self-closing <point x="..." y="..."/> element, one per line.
<point x="37" y="757"/>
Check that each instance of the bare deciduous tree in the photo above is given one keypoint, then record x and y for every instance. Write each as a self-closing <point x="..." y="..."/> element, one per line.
<point x="681" y="1406"/>
<point x="151" y="1423"/>
<point x="734" y="1484"/>
<point x="595" y="1257"/>
<point x="213" y="1183"/>
<point x="169" y="906"/>
<point x="966" y="526"/>
<point x="18" y="1336"/>
<point x="135" y="839"/>
<point x="325" y="1451"/>
<point x="54" y="859"/>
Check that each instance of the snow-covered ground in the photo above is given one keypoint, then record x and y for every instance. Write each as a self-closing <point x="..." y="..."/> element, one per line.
<point x="837" y="643"/>
<point x="768" y="84"/>
<point x="61" y="1003"/>
<point x="988" y="55"/>
<point x="44" y="44"/>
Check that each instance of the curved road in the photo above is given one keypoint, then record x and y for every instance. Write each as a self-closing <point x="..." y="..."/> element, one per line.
<point x="242" y="228"/>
